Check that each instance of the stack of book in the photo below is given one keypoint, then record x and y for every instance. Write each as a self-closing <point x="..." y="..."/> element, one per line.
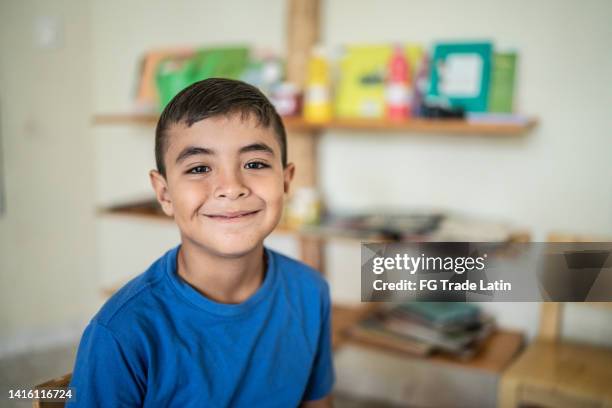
<point x="411" y="226"/>
<point x="422" y="328"/>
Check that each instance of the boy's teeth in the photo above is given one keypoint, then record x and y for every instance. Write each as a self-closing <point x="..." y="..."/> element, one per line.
<point x="234" y="216"/>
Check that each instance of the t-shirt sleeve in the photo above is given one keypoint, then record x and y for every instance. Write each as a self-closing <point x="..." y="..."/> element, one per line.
<point x="322" y="374"/>
<point x="104" y="373"/>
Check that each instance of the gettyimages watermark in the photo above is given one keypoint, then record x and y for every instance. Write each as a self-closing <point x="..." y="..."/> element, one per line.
<point x="487" y="272"/>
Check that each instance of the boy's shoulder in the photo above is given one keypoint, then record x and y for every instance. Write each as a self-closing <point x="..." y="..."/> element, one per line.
<point x="299" y="274"/>
<point x="133" y="291"/>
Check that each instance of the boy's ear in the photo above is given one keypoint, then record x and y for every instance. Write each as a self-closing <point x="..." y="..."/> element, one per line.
<point x="288" y="173"/>
<point x="160" y="186"/>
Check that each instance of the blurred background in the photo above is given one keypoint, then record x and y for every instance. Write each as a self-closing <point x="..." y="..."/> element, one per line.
<point x="476" y="121"/>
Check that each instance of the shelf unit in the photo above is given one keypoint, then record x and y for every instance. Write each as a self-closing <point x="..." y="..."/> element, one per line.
<point x="417" y="125"/>
<point x="303" y="28"/>
<point x="303" y="33"/>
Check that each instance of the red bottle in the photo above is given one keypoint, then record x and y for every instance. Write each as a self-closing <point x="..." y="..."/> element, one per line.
<point x="398" y="86"/>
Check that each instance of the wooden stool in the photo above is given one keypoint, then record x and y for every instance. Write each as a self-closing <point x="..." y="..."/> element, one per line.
<point x="556" y="373"/>
<point x="60" y="382"/>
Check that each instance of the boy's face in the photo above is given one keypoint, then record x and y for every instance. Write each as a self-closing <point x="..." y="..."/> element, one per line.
<point x="225" y="183"/>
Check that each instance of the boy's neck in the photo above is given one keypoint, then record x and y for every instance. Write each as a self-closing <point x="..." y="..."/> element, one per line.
<point x="223" y="280"/>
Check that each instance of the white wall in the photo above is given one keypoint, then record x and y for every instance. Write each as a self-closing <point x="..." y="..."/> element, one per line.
<point x="47" y="254"/>
<point x="58" y="168"/>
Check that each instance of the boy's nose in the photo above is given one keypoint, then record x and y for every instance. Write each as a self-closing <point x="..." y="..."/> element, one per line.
<point x="231" y="187"/>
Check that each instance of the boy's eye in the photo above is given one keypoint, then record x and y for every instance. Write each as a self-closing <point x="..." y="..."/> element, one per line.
<point x="256" y="165"/>
<point x="199" y="170"/>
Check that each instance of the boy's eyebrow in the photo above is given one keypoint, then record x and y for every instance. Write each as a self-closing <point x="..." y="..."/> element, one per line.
<point x="193" y="151"/>
<point x="257" y="147"/>
<point x="196" y="150"/>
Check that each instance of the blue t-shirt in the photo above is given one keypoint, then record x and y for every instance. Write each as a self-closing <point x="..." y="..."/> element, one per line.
<point x="158" y="342"/>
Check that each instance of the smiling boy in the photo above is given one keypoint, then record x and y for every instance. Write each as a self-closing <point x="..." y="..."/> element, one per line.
<point x="220" y="320"/>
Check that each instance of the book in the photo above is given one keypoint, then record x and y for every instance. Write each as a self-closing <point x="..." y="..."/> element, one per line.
<point x="395" y="226"/>
<point x="371" y="333"/>
<point x="440" y="313"/>
<point x="174" y="73"/>
<point x="498" y="118"/>
<point x="503" y="77"/>
<point x="361" y="89"/>
<point x="147" y="98"/>
<point x="414" y="331"/>
<point x="460" y="75"/>
<point x="455" y="342"/>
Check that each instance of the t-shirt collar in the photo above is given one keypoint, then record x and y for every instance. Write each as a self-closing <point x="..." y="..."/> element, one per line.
<point x="199" y="300"/>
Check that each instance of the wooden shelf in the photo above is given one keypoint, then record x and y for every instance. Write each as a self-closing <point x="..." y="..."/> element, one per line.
<point x="298" y="124"/>
<point x="495" y="354"/>
<point x="137" y="119"/>
<point x="142" y="209"/>
<point x="420" y="125"/>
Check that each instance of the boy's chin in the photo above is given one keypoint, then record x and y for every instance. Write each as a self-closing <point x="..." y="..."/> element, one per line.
<point x="237" y="252"/>
<point x="233" y="248"/>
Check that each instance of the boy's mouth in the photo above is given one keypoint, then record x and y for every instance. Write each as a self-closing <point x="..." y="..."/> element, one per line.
<point x="233" y="215"/>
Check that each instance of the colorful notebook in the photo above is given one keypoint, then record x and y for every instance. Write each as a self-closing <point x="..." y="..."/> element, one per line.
<point x="460" y="75"/>
<point x="363" y="70"/>
<point x="503" y="77"/>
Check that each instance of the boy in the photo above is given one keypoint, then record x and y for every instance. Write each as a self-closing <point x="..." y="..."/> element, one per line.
<point x="220" y="320"/>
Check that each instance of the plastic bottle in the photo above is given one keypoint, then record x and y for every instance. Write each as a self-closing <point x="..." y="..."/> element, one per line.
<point x="317" y="100"/>
<point x="421" y="86"/>
<point x="304" y="208"/>
<point x="398" y="89"/>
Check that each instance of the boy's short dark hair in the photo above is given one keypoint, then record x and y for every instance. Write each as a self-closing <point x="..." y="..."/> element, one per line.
<point x="217" y="97"/>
